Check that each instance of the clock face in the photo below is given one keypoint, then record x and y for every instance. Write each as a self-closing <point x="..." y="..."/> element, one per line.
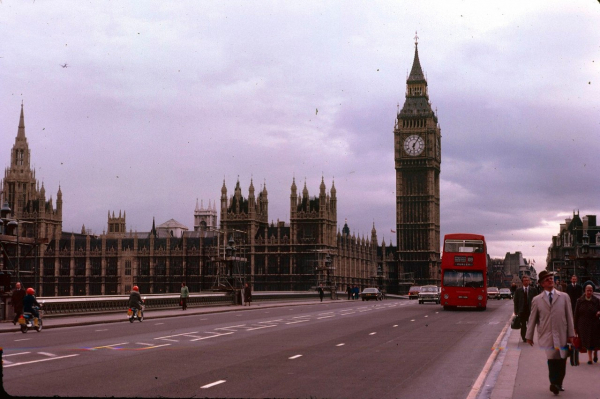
<point x="414" y="145"/>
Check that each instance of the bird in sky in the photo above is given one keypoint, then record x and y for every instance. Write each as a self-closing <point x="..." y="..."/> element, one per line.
<point x="65" y="65"/>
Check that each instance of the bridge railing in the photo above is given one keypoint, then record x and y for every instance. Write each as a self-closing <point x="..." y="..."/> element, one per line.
<point x="79" y="305"/>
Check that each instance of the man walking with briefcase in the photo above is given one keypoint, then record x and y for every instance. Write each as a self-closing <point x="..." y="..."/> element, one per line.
<point x="522" y="303"/>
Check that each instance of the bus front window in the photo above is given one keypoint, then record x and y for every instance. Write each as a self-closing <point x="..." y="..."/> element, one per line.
<point x="457" y="278"/>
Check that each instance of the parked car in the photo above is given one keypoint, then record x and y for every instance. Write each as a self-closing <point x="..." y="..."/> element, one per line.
<point x="413" y="292"/>
<point x="371" y="293"/>
<point x="505" y="293"/>
<point x="493" y="293"/>
<point x="429" y="293"/>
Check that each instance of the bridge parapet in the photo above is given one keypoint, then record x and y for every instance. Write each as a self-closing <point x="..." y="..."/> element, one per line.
<point x="79" y="305"/>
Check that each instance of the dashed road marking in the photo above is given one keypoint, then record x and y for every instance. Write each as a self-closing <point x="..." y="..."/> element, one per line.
<point x="340" y="344"/>
<point x="325" y="317"/>
<point x="16" y="354"/>
<point x="299" y="321"/>
<point x="373" y="333"/>
<point x="294" y="357"/>
<point x="47" y="354"/>
<point x="106" y="329"/>
<point x="211" y="336"/>
<point x="23" y="339"/>
<point x="38" y="361"/>
<point x="395" y="325"/>
<point x="158" y="324"/>
<point x="212" y="384"/>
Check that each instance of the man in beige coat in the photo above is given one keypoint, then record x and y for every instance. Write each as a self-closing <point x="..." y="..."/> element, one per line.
<point x="552" y="315"/>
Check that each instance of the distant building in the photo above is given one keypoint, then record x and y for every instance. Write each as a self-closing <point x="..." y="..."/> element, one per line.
<point x="575" y="250"/>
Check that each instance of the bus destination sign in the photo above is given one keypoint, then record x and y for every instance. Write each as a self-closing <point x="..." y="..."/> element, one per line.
<point x="463" y="261"/>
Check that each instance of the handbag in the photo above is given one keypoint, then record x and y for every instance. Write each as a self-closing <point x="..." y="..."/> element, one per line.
<point x="515" y="324"/>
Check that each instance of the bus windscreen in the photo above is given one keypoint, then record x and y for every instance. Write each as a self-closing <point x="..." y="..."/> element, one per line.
<point x="460" y="278"/>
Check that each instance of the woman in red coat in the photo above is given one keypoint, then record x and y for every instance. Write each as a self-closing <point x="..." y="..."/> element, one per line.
<point x="587" y="324"/>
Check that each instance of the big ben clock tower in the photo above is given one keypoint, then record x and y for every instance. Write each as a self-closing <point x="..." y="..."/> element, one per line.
<point x="417" y="143"/>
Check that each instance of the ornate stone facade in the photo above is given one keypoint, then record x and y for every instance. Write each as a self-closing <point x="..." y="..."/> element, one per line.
<point x="417" y="143"/>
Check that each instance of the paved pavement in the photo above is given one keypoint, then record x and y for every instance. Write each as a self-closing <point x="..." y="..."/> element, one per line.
<point x="520" y="371"/>
<point x="524" y="373"/>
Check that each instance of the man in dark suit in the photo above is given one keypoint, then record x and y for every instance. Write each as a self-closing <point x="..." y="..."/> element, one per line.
<point x="522" y="303"/>
<point x="575" y="292"/>
<point x="551" y="314"/>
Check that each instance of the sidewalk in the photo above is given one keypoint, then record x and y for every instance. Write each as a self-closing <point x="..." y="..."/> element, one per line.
<point x="524" y="374"/>
<point x="71" y="320"/>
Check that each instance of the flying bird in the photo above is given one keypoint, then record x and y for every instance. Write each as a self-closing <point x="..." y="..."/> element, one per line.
<point x="65" y="65"/>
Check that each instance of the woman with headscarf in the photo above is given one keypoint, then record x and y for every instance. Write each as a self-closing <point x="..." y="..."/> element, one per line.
<point x="587" y="324"/>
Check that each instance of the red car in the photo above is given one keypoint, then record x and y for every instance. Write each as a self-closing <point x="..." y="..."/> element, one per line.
<point x="413" y="292"/>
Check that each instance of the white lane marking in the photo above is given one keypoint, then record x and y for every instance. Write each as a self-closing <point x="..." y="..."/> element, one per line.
<point x="16" y="354"/>
<point x="158" y="324"/>
<point x="373" y="333"/>
<point x="47" y="354"/>
<point x="143" y="343"/>
<point x="203" y="319"/>
<point x="299" y="321"/>
<point x="258" y="328"/>
<point x="167" y="339"/>
<point x="321" y="314"/>
<point x="325" y="317"/>
<point x="395" y="325"/>
<point x="212" y="384"/>
<point x="211" y="336"/>
<point x="426" y="316"/>
<point x="300" y="317"/>
<point x="177" y="335"/>
<point x="230" y="327"/>
<point x="109" y="346"/>
<point x="344" y="314"/>
<point x="106" y="329"/>
<point x="340" y="344"/>
<point x="294" y="357"/>
<point x="413" y="320"/>
<point x="37" y="361"/>
<point x="270" y="321"/>
<point x="24" y="339"/>
<point x="155" y="346"/>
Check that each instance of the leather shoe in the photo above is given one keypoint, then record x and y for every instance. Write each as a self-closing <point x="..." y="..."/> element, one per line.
<point x="554" y="389"/>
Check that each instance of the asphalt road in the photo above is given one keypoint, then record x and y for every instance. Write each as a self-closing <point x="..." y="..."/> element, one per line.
<point x="390" y="348"/>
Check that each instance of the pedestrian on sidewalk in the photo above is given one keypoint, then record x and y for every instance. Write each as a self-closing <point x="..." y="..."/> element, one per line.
<point x="522" y="303"/>
<point x="16" y="299"/>
<point x="185" y="294"/>
<point x="575" y="292"/>
<point x="587" y="324"/>
<point x="551" y="313"/>
<point x="349" y="291"/>
<point x="247" y="294"/>
<point x="321" y="293"/>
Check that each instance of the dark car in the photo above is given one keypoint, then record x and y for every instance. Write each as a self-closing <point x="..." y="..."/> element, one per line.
<point x="371" y="293"/>
<point x="413" y="292"/>
<point x="505" y="293"/>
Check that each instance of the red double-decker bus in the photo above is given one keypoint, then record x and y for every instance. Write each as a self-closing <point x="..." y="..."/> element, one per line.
<point x="464" y="271"/>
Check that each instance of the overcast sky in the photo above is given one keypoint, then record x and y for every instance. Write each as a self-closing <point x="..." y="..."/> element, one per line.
<point x="161" y="101"/>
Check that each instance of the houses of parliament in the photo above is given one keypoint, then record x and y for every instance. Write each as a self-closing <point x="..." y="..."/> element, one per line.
<point x="308" y="251"/>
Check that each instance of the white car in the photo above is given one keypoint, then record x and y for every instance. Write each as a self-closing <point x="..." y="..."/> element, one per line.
<point x="429" y="293"/>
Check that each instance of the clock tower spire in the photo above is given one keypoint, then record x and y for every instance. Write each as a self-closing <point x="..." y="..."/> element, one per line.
<point x="417" y="143"/>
